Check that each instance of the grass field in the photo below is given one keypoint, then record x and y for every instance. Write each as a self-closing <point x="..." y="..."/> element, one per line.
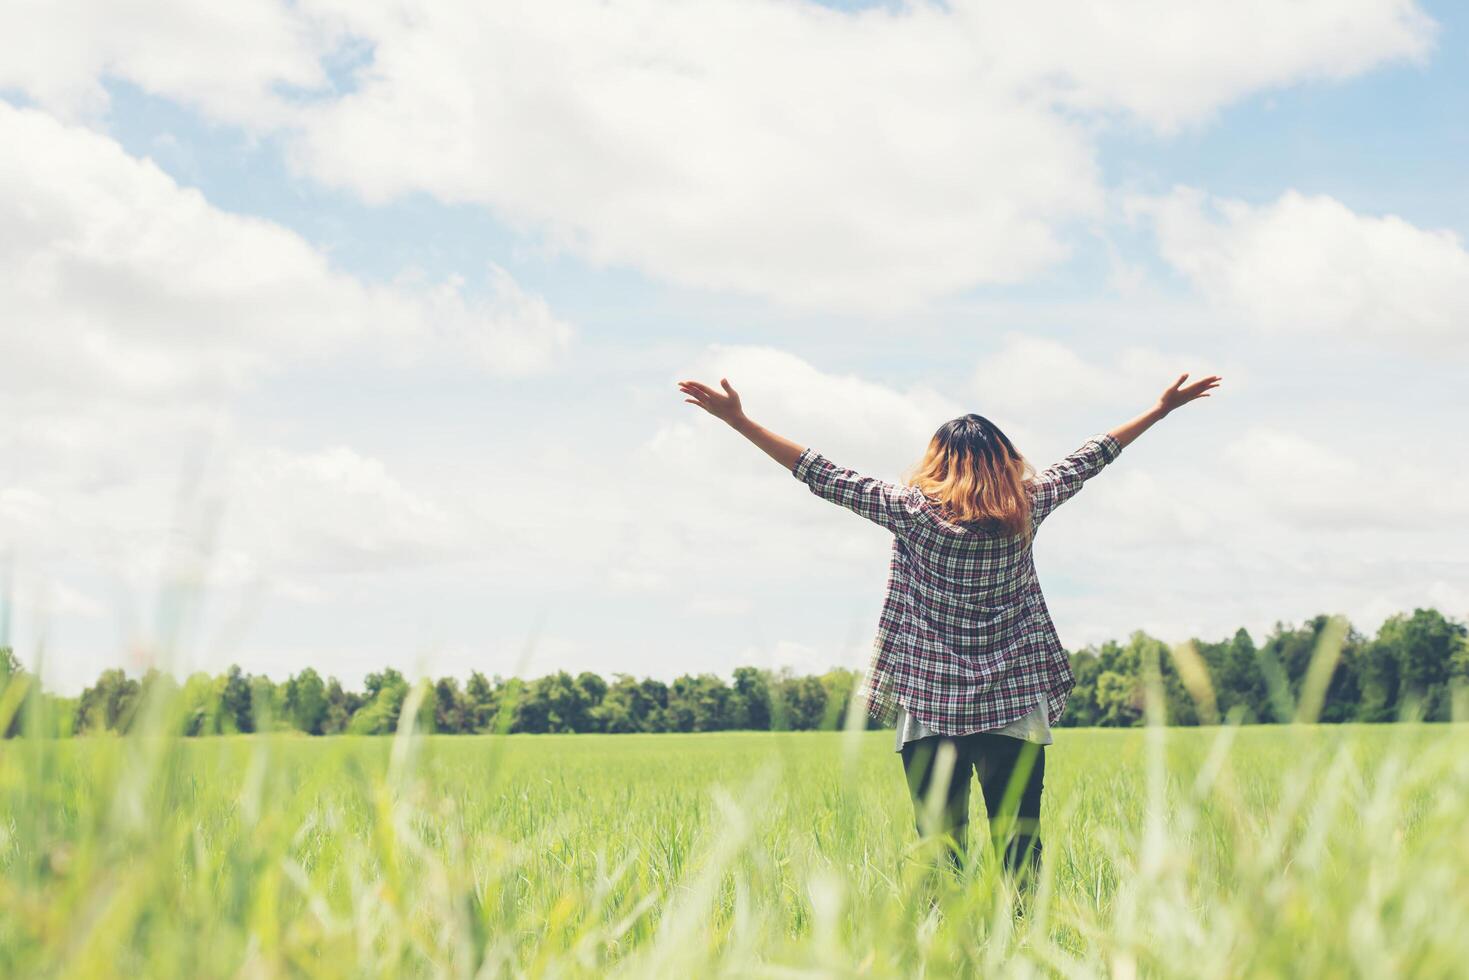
<point x="1271" y="851"/>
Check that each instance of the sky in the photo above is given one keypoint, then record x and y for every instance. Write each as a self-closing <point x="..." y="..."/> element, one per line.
<point x="345" y="334"/>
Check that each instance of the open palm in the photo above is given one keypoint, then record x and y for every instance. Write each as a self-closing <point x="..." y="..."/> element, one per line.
<point x="1181" y="394"/>
<point x="722" y="405"/>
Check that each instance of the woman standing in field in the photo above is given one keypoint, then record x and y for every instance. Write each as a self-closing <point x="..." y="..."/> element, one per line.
<point x="967" y="662"/>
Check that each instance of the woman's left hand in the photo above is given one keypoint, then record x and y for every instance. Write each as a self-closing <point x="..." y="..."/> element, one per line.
<point x="726" y="407"/>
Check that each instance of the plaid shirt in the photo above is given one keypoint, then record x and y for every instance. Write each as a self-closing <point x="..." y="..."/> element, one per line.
<point x="965" y="641"/>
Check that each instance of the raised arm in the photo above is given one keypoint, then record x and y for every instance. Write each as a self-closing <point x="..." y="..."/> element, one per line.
<point x="726" y="407"/>
<point x="883" y="503"/>
<point x="1060" y="482"/>
<point x="1173" y="396"/>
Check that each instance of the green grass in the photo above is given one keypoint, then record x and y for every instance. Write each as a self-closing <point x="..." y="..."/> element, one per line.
<point x="1272" y="851"/>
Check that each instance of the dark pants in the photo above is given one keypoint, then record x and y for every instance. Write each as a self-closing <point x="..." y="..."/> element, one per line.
<point x="1011" y="773"/>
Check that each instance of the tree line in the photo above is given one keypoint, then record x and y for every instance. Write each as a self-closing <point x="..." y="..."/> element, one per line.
<point x="1417" y="664"/>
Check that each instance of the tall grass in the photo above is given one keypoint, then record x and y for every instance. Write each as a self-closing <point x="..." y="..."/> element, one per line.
<point x="1221" y="852"/>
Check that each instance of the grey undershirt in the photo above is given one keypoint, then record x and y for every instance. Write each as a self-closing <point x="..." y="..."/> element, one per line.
<point x="1031" y="727"/>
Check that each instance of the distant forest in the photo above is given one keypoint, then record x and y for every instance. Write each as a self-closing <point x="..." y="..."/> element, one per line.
<point x="1417" y="665"/>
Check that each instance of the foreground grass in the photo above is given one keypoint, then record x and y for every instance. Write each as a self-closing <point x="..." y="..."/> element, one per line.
<point x="1273" y="851"/>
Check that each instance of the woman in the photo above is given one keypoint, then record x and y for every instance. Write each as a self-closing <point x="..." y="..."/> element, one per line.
<point x="967" y="662"/>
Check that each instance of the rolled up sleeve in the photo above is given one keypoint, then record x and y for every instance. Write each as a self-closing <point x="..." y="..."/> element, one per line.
<point x="804" y="464"/>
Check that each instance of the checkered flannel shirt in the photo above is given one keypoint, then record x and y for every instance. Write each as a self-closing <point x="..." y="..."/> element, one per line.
<point x="965" y="641"/>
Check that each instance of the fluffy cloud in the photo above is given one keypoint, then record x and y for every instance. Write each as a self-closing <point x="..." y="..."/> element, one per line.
<point x="1305" y="484"/>
<point x="1310" y="264"/>
<point x="852" y="160"/>
<point x="135" y="315"/>
<point x="334" y="510"/>
<point x="1041" y="382"/>
<point x="1167" y="64"/>
<point x="120" y="281"/>
<point x="231" y="59"/>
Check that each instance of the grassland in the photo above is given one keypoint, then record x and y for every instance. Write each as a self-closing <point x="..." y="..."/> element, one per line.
<point x="1271" y="851"/>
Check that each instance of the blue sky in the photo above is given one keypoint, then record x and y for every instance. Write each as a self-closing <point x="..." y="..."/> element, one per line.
<point x="405" y="345"/>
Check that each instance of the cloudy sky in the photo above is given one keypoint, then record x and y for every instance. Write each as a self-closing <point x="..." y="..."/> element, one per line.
<point x="345" y="333"/>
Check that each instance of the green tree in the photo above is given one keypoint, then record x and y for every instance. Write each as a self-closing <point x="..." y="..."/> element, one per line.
<point x="681" y="697"/>
<point x="1378" y="677"/>
<point x="199" y="703"/>
<point x="553" y="703"/>
<point x="386" y="692"/>
<point x="265" y="703"/>
<point x="620" y="707"/>
<point x="1241" y="683"/>
<point x="305" y="702"/>
<point x="451" y="709"/>
<point x="109" y="704"/>
<point x="340" y="705"/>
<point x="482" y="702"/>
<point x="801" y="701"/>
<point x="234" y="701"/>
<point x="1344" y="693"/>
<point x="653" y="706"/>
<point x="1459" y="680"/>
<point x="1081" y="706"/>
<point x="749" y="699"/>
<point x="1119" y="700"/>
<point x="12" y="671"/>
<point x="839" y="684"/>
<point x="698" y="704"/>
<point x="593" y="689"/>
<point x="1423" y="646"/>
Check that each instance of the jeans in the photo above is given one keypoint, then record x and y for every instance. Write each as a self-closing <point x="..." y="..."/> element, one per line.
<point x="1011" y="774"/>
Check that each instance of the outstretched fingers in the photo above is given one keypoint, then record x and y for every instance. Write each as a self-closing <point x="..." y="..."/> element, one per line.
<point x="721" y="404"/>
<point x="701" y="395"/>
<point x="1201" y="389"/>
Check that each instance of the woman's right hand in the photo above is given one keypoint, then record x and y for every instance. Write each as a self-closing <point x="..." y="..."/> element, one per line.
<point x="1181" y="394"/>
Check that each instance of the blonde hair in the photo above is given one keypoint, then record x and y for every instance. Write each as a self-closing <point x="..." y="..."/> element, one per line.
<point x="975" y="475"/>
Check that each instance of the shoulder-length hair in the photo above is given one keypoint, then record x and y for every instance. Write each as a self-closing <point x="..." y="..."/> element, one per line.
<point x="974" y="475"/>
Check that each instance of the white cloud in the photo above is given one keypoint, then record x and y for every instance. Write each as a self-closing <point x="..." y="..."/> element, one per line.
<point x="829" y="160"/>
<point x="230" y="59"/>
<point x="844" y="415"/>
<point x="1039" y="377"/>
<point x="1310" y="264"/>
<point x="862" y="161"/>
<point x="334" y="510"/>
<point x="715" y="605"/>
<point x="121" y="282"/>
<point x="508" y="332"/>
<point x="134" y="319"/>
<point x="1167" y="63"/>
<point x="857" y="162"/>
<point x="1048" y="395"/>
<point x="1301" y="483"/>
